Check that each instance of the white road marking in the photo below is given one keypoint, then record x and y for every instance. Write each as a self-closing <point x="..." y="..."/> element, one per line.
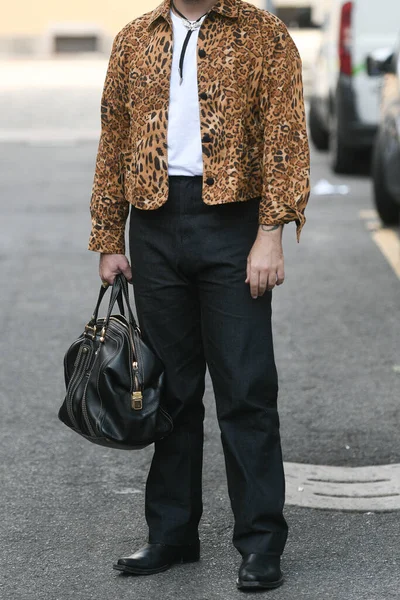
<point x="373" y="225"/>
<point x="127" y="491"/>
<point x="386" y="239"/>
<point x="343" y="488"/>
<point x="368" y="214"/>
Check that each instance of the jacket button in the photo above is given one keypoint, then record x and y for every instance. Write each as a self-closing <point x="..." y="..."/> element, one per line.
<point x="203" y="95"/>
<point x="210" y="181"/>
<point x="206" y="138"/>
<point x="202" y="53"/>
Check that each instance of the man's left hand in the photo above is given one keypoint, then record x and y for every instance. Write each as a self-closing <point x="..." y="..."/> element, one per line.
<point x="265" y="263"/>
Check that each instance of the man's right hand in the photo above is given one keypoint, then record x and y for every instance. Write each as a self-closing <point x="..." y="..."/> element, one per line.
<point x="113" y="264"/>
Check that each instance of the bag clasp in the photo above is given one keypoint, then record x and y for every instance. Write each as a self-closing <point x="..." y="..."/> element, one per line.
<point x="137" y="400"/>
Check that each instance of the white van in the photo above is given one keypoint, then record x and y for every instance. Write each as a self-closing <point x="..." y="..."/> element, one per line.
<point x="344" y="108"/>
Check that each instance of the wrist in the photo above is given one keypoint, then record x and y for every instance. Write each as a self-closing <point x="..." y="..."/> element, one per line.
<point x="272" y="231"/>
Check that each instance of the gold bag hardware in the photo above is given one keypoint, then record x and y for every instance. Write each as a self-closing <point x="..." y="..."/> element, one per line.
<point x="137" y="398"/>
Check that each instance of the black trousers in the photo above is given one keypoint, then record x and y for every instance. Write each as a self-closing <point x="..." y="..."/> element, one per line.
<point x="194" y="308"/>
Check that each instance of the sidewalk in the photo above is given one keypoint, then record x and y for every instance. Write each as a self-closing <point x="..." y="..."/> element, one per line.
<point x="45" y="101"/>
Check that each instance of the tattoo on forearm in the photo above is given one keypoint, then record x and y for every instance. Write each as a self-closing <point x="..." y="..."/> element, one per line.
<point x="269" y="227"/>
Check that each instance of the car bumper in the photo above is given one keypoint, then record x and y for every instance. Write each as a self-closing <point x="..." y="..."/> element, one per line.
<point x="352" y="132"/>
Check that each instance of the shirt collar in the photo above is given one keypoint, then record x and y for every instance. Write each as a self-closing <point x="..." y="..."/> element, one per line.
<point x="228" y="8"/>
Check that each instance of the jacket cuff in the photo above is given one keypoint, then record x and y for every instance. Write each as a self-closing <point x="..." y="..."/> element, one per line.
<point x="108" y="241"/>
<point x="290" y="215"/>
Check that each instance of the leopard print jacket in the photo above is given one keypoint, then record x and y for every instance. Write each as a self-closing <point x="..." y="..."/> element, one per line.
<point x="252" y="119"/>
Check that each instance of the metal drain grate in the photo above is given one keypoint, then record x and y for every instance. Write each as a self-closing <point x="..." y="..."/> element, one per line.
<point x="343" y="488"/>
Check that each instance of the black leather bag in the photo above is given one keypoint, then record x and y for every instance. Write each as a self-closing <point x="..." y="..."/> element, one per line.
<point x="114" y="381"/>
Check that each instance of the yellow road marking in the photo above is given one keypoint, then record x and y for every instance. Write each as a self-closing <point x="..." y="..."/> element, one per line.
<point x="387" y="240"/>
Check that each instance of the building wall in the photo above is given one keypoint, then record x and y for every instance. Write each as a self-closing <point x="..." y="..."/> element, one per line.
<point x="28" y="27"/>
<point x="28" y="17"/>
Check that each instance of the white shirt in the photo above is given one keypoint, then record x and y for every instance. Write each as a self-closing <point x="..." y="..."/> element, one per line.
<point x="184" y="138"/>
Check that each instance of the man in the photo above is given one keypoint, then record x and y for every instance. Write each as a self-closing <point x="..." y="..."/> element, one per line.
<point x="204" y="139"/>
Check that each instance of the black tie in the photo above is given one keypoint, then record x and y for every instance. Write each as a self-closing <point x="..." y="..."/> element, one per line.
<point x="193" y="25"/>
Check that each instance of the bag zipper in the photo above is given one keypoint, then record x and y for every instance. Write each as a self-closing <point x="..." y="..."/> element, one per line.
<point x="136" y="393"/>
<point x="84" y="405"/>
<point x="85" y="414"/>
<point x="76" y="379"/>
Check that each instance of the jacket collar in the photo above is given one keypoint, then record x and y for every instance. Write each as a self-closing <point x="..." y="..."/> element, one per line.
<point x="227" y="8"/>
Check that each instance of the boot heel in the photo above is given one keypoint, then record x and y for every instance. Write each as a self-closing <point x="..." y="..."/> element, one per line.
<point x="190" y="553"/>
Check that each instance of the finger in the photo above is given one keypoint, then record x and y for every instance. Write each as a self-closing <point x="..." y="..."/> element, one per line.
<point x="262" y="282"/>
<point x="247" y="272"/>
<point x="280" y="276"/>
<point x="127" y="272"/>
<point x="271" y="280"/>
<point x="107" y="276"/>
<point x="109" y="279"/>
<point x="254" y="281"/>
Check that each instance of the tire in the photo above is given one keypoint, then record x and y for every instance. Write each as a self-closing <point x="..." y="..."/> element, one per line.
<point x="387" y="207"/>
<point x="319" y="135"/>
<point x="342" y="158"/>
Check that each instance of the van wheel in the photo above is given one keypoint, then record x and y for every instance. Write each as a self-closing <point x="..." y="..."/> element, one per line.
<point x="342" y="157"/>
<point x="319" y="135"/>
<point x="388" y="209"/>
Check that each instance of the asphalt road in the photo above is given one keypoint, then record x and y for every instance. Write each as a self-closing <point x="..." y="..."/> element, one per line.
<point x="69" y="509"/>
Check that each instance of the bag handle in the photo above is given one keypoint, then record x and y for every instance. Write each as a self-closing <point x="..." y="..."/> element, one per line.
<point x="120" y="287"/>
<point x="119" y="293"/>
<point x="125" y="293"/>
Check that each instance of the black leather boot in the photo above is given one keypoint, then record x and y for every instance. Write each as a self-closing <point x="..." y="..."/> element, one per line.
<point x="155" y="558"/>
<point x="259" y="571"/>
